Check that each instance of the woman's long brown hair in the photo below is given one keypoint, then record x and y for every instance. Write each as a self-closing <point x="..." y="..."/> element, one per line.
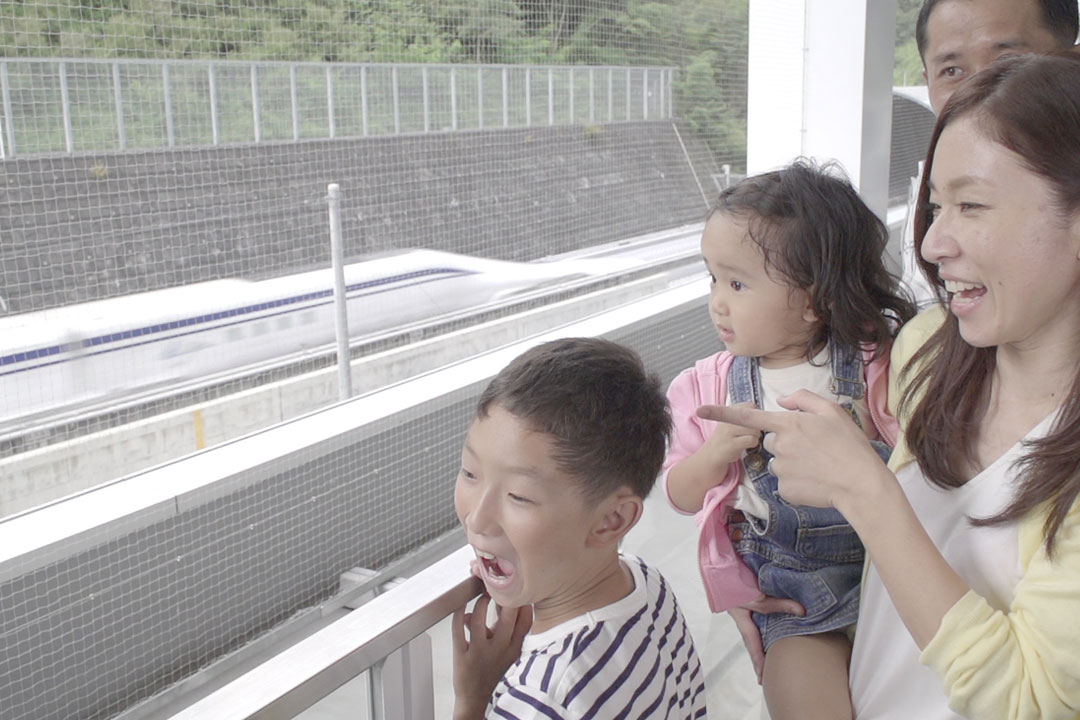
<point x="1030" y="105"/>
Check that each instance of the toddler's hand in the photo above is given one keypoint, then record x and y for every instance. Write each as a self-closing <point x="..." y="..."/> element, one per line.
<point x="728" y="442"/>
<point x="748" y="629"/>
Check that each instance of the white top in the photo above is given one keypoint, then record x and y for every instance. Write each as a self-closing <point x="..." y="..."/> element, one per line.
<point x="634" y="659"/>
<point x="887" y="681"/>
<point x="778" y="382"/>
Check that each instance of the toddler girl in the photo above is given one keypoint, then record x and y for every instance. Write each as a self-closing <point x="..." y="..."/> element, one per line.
<point x="801" y="299"/>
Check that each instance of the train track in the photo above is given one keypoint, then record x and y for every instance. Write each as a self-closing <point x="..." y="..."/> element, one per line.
<point x="675" y="253"/>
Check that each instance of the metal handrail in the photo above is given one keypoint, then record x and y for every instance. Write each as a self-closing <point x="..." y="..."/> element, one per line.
<point x="297" y="678"/>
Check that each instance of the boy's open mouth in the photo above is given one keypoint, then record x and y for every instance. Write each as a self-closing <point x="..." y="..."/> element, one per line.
<point x="497" y="570"/>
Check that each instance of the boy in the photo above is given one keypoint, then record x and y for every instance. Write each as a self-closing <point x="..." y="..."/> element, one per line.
<point x="567" y="441"/>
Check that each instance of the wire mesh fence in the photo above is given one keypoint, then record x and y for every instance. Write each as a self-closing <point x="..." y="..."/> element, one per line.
<point x="164" y="164"/>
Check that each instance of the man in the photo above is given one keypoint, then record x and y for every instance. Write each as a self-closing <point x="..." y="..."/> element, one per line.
<point x="956" y="39"/>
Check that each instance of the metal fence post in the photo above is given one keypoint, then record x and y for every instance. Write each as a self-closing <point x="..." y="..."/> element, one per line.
<point x="551" y="96"/>
<point x="256" y="112"/>
<point x="592" y="95"/>
<point x="341" y="311"/>
<point x="570" y="93"/>
<point x="644" y="94"/>
<point x="611" y="94"/>
<point x="660" y="93"/>
<point x="118" y="98"/>
<point x="427" y="98"/>
<point x="9" y="122"/>
<point x="65" y="108"/>
<point x="528" y="96"/>
<point x="671" y="95"/>
<point x="397" y="99"/>
<point x="170" y="129"/>
<point x="480" y="97"/>
<point x="215" y="129"/>
<point x="363" y="100"/>
<point x="293" y="103"/>
<point x="506" y="96"/>
<point x="453" y="98"/>
<point x="330" y="100"/>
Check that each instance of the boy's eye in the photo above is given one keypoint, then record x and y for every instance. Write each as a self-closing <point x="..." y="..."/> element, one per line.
<point x="736" y="285"/>
<point x="466" y="474"/>
<point x="712" y="278"/>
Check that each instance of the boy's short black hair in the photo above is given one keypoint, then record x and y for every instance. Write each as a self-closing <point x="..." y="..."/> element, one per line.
<point x="608" y="415"/>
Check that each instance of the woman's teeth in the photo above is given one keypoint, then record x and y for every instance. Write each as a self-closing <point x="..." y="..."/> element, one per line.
<point x="956" y="286"/>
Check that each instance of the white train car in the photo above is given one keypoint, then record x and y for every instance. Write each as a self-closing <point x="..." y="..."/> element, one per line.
<point x="68" y="356"/>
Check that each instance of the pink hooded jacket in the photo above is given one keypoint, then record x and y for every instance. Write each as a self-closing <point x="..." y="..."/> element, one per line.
<point x="728" y="581"/>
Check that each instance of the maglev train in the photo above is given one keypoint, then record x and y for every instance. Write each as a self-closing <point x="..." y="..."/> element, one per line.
<point x="69" y="356"/>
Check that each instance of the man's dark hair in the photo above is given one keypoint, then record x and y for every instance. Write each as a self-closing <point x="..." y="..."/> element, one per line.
<point x="1059" y="17"/>
<point x="607" y="414"/>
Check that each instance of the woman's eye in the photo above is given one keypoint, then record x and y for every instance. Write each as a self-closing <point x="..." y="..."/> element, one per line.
<point x="466" y="474"/>
<point x="932" y="211"/>
<point x="966" y="206"/>
<point x="952" y="72"/>
<point x="520" y="499"/>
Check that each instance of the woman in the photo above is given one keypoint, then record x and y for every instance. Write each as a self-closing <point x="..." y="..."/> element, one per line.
<point x="971" y="599"/>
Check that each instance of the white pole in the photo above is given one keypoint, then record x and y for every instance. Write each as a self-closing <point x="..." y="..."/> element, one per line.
<point x="65" y="106"/>
<point x="215" y="127"/>
<point x="170" y="129"/>
<point x="9" y="124"/>
<point x="256" y="113"/>
<point x="118" y="100"/>
<point x="341" y="312"/>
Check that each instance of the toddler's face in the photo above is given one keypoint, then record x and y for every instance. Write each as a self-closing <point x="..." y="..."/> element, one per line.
<point x="755" y="314"/>
<point x="526" y="520"/>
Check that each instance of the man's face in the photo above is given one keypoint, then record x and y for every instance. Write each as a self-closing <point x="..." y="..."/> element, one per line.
<point x="964" y="36"/>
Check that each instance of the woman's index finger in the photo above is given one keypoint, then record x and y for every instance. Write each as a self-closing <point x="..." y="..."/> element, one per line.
<point x="745" y="416"/>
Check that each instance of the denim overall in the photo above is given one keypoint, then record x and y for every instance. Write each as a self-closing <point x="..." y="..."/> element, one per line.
<point x="811" y="555"/>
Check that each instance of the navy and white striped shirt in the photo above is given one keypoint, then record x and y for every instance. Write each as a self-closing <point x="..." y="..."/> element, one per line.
<point x="631" y="659"/>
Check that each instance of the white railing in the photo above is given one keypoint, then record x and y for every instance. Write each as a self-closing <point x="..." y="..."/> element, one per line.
<point x="75" y="105"/>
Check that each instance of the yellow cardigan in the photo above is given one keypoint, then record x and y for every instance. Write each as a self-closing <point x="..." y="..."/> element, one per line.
<point x="1024" y="663"/>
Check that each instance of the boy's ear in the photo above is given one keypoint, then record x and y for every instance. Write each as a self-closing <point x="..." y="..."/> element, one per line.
<point x="616" y="515"/>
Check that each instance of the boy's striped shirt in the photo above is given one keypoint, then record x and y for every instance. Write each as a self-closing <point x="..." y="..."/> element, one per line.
<point x="631" y="659"/>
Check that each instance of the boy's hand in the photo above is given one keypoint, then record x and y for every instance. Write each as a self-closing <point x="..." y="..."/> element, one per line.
<point x="481" y="659"/>
<point x="728" y="442"/>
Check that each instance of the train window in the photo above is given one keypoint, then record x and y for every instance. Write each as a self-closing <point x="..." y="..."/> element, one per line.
<point x="235" y="334"/>
<point x="260" y="327"/>
<point x="284" y="322"/>
<point x="308" y="317"/>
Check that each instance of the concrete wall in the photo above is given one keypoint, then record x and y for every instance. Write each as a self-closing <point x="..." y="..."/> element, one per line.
<point x="87" y="227"/>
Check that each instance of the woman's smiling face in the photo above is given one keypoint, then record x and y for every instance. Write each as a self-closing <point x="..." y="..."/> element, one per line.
<point x="1009" y="260"/>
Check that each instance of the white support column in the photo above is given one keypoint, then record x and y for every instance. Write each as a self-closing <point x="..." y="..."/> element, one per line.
<point x="820" y="86"/>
